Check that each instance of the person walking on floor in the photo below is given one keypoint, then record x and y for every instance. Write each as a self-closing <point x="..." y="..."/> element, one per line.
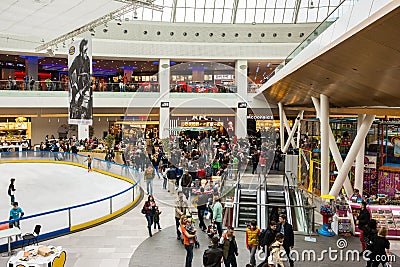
<point x="363" y="220"/>
<point x="11" y="190"/>
<point x="89" y="163"/>
<point x="148" y="211"/>
<point x="267" y="241"/>
<point x="217" y="214"/>
<point x="287" y="230"/>
<point x="201" y="208"/>
<point x="255" y="160"/>
<point x="229" y="247"/>
<point x="186" y="182"/>
<point x="252" y="242"/>
<point x="188" y="241"/>
<point x="181" y="208"/>
<point x="148" y="177"/>
<point x="380" y="251"/>
<point x="212" y="256"/>
<point x="274" y="259"/>
<point x="157" y="213"/>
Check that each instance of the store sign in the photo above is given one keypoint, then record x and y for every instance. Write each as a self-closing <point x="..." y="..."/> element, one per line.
<point x="224" y="77"/>
<point x="202" y="124"/>
<point x="165" y="104"/>
<point x="201" y="118"/>
<point x="370" y="161"/>
<point x="260" y="117"/>
<point x="242" y="105"/>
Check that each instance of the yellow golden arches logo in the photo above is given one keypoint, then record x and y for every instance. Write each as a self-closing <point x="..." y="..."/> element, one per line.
<point x="72" y="50"/>
<point x="60" y="260"/>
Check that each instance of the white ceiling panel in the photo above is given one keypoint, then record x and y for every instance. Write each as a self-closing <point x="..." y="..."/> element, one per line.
<point x="50" y="18"/>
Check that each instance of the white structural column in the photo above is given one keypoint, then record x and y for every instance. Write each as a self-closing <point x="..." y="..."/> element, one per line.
<point x="351" y="156"/>
<point x="292" y="132"/>
<point x="241" y="84"/>
<point x="164" y="81"/>
<point x="324" y="129"/>
<point x="281" y="129"/>
<point x="359" y="174"/>
<point x="335" y="152"/>
<point x="83" y="132"/>
<point x="299" y="130"/>
<point x="284" y="123"/>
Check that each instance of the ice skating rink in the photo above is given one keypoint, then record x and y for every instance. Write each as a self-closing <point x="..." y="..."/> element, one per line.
<point x="42" y="187"/>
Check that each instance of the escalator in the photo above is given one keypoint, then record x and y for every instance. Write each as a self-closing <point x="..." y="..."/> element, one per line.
<point x="247" y="207"/>
<point x="276" y="200"/>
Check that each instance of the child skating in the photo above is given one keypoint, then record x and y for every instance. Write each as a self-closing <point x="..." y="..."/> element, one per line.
<point x="89" y="163"/>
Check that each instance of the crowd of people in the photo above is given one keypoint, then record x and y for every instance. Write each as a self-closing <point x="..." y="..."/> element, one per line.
<point x="223" y="247"/>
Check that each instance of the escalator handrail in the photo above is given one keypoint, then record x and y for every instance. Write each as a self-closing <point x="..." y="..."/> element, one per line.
<point x="287" y="198"/>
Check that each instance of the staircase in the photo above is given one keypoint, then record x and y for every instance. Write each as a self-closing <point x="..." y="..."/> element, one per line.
<point x="247" y="207"/>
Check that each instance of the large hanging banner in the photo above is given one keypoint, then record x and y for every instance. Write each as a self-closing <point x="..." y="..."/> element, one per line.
<point x="79" y="82"/>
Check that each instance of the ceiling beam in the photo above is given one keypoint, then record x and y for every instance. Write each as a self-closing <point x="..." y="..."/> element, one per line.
<point x="173" y="17"/>
<point x="296" y="11"/>
<point x="354" y="110"/>
<point x="116" y="14"/>
<point x="235" y="7"/>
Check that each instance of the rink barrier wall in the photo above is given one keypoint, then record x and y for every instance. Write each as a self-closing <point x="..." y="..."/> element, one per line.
<point x="81" y="226"/>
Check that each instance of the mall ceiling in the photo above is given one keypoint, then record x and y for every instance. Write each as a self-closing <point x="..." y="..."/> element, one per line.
<point x="51" y="18"/>
<point x="364" y="70"/>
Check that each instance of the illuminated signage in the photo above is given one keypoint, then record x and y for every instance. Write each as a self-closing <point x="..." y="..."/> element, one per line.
<point x="202" y="124"/>
<point x="260" y="117"/>
<point x="242" y="105"/>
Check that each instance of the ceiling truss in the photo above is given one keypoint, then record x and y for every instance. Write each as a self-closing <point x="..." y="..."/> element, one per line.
<point x="131" y="5"/>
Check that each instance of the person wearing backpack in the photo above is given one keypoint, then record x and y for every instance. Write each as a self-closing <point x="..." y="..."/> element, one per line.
<point x="266" y="238"/>
<point x="229" y="247"/>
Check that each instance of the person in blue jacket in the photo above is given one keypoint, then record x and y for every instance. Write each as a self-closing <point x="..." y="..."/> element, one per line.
<point x="16" y="213"/>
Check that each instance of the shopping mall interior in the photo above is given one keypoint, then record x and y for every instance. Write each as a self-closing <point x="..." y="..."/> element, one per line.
<point x="135" y="132"/>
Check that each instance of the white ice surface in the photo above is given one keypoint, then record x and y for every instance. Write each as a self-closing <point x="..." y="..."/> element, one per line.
<point x="42" y="187"/>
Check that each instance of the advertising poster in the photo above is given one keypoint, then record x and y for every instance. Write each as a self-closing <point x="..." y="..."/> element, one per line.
<point x="79" y="82"/>
<point x="396" y="143"/>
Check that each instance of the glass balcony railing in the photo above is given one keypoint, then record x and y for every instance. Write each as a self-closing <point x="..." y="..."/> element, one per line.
<point x="189" y="87"/>
<point x="63" y="86"/>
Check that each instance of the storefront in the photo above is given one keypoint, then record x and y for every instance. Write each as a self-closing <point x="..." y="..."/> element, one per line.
<point x="15" y="132"/>
<point x="134" y="127"/>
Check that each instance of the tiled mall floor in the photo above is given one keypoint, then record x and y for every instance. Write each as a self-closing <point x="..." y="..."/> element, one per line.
<point x="124" y="242"/>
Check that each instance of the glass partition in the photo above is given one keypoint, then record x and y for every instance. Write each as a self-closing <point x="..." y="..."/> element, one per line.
<point x="65" y="220"/>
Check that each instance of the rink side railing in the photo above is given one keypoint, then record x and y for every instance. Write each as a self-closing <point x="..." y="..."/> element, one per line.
<point x="78" y="217"/>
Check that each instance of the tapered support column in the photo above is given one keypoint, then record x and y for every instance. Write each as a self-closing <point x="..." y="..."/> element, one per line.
<point x="337" y="158"/>
<point x="292" y="132"/>
<point x="281" y="129"/>
<point x="299" y="131"/>
<point x="359" y="174"/>
<point x="164" y="81"/>
<point x="351" y="156"/>
<point x="83" y="132"/>
<point x="324" y="129"/>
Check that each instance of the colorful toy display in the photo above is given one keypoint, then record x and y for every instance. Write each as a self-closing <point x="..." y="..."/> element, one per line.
<point x="327" y="213"/>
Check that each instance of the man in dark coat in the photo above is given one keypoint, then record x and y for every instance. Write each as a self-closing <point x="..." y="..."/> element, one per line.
<point x="269" y="238"/>
<point x="186" y="183"/>
<point x="363" y="220"/>
<point x="212" y="257"/>
<point x="287" y="230"/>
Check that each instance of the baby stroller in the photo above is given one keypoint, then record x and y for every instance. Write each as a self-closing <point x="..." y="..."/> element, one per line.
<point x="211" y="230"/>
